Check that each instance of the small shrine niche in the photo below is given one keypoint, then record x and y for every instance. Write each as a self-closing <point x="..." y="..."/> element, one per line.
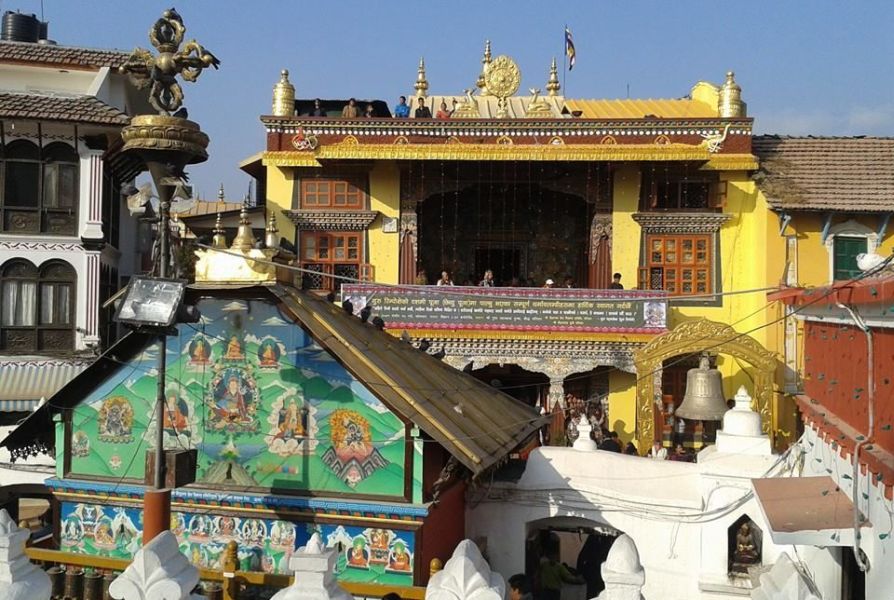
<point x="744" y="543"/>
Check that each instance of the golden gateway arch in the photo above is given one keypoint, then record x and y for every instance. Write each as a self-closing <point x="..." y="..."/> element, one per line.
<point x="693" y="337"/>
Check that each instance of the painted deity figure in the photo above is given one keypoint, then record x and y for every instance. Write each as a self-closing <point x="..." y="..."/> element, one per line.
<point x="291" y="421"/>
<point x="200" y="352"/>
<point x="400" y="558"/>
<point x="234" y="349"/>
<point x="231" y="404"/>
<point x="175" y="415"/>
<point x="357" y="556"/>
<point x="269" y="356"/>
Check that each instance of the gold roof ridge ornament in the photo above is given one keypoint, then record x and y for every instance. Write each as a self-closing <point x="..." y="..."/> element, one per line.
<point x="468" y="108"/>
<point x="283" y="96"/>
<point x="537" y="107"/>
<point x="552" y="84"/>
<point x="729" y="100"/>
<point x="245" y="238"/>
<point x="485" y="63"/>
<point x="421" y="85"/>
<point x="161" y="70"/>
<point x="220" y="239"/>
<point x="502" y="79"/>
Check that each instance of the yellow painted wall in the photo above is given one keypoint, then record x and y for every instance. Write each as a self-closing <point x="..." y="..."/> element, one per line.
<point x="280" y="184"/>
<point x="626" y="231"/>
<point x="384" y="196"/>
<point x="622" y="404"/>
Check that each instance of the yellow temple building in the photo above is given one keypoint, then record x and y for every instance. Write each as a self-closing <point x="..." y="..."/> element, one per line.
<point x="537" y="188"/>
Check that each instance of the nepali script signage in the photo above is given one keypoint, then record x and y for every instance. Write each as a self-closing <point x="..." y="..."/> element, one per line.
<point x="513" y="309"/>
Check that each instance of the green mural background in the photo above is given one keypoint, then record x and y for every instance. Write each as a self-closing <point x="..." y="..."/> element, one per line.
<point x="263" y="403"/>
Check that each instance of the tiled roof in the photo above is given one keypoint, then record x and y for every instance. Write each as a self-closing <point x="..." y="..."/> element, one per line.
<point x="826" y="173"/>
<point x="70" y="56"/>
<point x="78" y="109"/>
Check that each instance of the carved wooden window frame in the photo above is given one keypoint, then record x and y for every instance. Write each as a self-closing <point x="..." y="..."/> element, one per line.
<point x="319" y="253"/>
<point x="323" y="193"/>
<point x="46" y="335"/>
<point x="55" y="162"/>
<point x="666" y="252"/>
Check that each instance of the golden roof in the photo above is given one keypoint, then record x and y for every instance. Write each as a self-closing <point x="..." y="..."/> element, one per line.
<point x="641" y="108"/>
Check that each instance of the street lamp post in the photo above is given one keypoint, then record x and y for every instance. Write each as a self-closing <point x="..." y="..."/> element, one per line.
<point x="166" y="142"/>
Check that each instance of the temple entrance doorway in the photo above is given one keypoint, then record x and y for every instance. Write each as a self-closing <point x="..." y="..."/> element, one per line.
<point x="580" y="544"/>
<point x="506" y="263"/>
<point x="526" y="386"/>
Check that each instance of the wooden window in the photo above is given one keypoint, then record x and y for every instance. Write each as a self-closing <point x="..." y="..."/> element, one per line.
<point x="844" y="256"/>
<point x="37" y="306"/>
<point x="40" y="189"/>
<point x="345" y="194"/>
<point x="681" y="265"/>
<point x="669" y="189"/>
<point x="331" y="253"/>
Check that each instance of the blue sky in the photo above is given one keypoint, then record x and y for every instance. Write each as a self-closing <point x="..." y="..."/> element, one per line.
<point x="805" y="67"/>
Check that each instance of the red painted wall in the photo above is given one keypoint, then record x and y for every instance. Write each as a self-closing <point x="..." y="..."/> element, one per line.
<point x="835" y="372"/>
<point x="444" y="528"/>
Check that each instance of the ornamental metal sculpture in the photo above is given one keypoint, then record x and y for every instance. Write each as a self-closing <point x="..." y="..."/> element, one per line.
<point x="161" y="70"/>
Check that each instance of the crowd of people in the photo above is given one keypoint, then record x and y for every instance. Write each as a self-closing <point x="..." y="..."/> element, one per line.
<point x="351" y="110"/>
<point x="487" y="280"/>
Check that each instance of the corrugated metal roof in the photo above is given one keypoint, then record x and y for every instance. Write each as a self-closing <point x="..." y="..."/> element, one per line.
<point x="476" y="423"/>
<point x="24" y="384"/>
<point x="517" y="106"/>
<point x="639" y="108"/>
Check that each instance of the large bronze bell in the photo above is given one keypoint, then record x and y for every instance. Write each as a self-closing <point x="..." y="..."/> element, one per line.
<point x="704" y="394"/>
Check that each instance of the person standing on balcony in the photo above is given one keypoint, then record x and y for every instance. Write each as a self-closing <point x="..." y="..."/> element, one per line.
<point x="616" y="282"/>
<point x="402" y="110"/>
<point x="318" y="109"/>
<point x="422" y="111"/>
<point x="445" y="279"/>
<point x="488" y="280"/>
<point x="350" y="111"/>
<point x="549" y="284"/>
<point x="369" y="112"/>
<point x="443" y="113"/>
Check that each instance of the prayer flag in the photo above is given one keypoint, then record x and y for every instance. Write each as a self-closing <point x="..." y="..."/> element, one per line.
<point x="569" y="48"/>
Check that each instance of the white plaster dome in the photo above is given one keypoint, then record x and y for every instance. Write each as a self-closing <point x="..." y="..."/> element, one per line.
<point x="741" y="420"/>
<point x="623" y="556"/>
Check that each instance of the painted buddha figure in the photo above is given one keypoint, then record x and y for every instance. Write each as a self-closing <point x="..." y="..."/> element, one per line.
<point x="200" y="352"/>
<point x="234" y="350"/>
<point x="268" y="356"/>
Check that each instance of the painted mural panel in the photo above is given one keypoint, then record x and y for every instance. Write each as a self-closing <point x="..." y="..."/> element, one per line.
<point x="263" y="403"/>
<point x="366" y="554"/>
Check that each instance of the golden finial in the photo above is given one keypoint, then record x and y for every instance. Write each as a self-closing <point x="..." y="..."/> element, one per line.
<point x="485" y="63"/>
<point x="552" y="84"/>
<point x="245" y="238"/>
<point x="421" y="85"/>
<point x="161" y="70"/>
<point x="220" y="194"/>
<point x="729" y="102"/>
<point x="220" y="239"/>
<point x="271" y="239"/>
<point x="283" y="96"/>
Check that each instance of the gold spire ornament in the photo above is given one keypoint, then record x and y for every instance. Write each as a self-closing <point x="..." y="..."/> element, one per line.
<point x="283" y="96"/>
<point x="729" y="101"/>
<point x="421" y="85"/>
<point x="220" y="194"/>
<point x="245" y="238"/>
<point x="271" y="237"/>
<point x="552" y="84"/>
<point x="161" y="70"/>
<point x="485" y="63"/>
<point x="220" y="239"/>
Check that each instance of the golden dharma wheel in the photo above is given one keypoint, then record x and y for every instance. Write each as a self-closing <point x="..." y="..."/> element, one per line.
<point x="502" y="77"/>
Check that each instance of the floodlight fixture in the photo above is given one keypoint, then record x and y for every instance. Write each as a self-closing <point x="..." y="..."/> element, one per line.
<point x="151" y="302"/>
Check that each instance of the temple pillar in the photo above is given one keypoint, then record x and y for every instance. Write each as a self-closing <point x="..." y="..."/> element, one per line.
<point x="622" y="407"/>
<point x="91" y="168"/>
<point x="384" y="242"/>
<point x="625" y="203"/>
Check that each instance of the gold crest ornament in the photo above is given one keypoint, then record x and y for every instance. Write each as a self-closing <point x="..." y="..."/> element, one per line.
<point x="502" y="79"/>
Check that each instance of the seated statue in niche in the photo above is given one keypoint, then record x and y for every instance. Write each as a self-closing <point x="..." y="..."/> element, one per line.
<point x="746" y="552"/>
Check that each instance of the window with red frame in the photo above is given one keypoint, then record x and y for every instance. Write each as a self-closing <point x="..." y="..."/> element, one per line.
<point x="679" y="264"/>
<point x="331" y="253"/>
<point x="343" y="194"/>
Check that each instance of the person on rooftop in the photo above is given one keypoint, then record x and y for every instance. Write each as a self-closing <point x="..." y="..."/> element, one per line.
<point x="369" y="112"/>
<point x="549" y="284"/>
<point x="422" y="111"/>
<point x="350" y="111"/>
<point x="402" y="110"/>
<point x="445" y="279"/>
<point x="488" y="280"/>
<point x="616" y="282"/>
<point x="443" y="113"/>
<point x="318" y="109"/>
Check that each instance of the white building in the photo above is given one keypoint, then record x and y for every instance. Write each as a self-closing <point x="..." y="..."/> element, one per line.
<point x="685" y="519"/>
<point x="64" y="246"/>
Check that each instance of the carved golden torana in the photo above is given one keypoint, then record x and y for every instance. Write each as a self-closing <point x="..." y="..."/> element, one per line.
<point x="691" y="337"/>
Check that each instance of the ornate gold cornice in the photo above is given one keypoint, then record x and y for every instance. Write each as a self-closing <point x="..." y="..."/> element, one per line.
<point x="731" y="162"/>
<point x="496" y="152"/>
